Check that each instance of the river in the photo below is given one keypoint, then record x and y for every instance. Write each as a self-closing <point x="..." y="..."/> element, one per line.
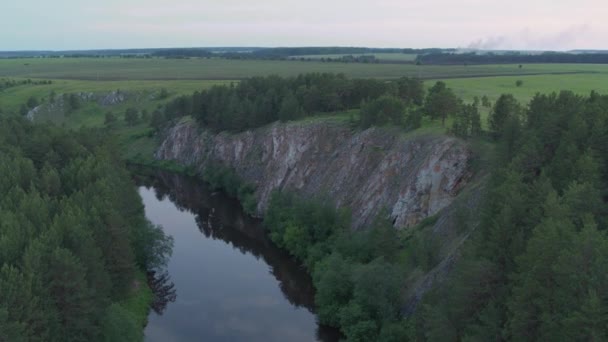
<point x="225" y="281"/>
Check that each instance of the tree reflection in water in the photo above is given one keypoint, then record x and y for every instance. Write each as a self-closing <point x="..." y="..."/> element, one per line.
<point x="218" y="217"/>
<point x="163" y="289"/>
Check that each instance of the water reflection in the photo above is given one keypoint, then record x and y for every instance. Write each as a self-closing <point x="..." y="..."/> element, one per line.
<point x="219" y="218"/>
<point x="163" y="289"/>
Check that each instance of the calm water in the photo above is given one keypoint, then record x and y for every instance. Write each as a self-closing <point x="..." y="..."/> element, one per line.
<point x="225" y="281"/>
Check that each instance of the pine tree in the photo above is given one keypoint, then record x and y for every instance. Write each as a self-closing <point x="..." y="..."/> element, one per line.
<point x="72" y="298"/>
<point x="505" y="109"/>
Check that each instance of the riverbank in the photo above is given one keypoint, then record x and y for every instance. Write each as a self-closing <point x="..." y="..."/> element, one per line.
<point x="231" y="281"/>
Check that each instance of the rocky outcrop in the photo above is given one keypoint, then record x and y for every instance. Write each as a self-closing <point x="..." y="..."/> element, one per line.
<point x="413" y="177"/>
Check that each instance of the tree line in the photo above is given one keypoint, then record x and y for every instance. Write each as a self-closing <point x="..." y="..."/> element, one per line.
<point x="257" y="101"/>
<point x="511" y="58"/>
<point x="73" y="237"/>
<point x="534" y="269"/>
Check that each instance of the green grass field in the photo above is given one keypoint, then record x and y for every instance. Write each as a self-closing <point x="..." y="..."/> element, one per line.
<point x="493" y="87"/>
<point x="12" y="98"/>
<point x="144" y="77"/>
<point x="116" y="69"/>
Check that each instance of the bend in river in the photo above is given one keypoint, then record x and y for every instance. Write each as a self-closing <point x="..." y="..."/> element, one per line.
<point x="231" y="283"/>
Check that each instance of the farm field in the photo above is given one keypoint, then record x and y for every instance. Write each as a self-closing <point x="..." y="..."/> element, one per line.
<point x="116" y="69"/>
<point x="146" y="77"/>
<point x="493" y="87"/>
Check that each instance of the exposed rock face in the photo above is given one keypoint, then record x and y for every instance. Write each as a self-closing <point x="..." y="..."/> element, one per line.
<point x="112" y="98"/>
<point x="413" y="177"/>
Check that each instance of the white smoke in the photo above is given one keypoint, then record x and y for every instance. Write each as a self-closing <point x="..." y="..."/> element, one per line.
<point x="527" y="39"/>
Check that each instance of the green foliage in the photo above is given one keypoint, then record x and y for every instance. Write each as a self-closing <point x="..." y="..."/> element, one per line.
<point x="383" y="110"/>
<point x="73" y="102"/>
<point x="110" y="119"/>
<point x="440" y="102"/>
<point x="157" y="121"/>
<point x="23" y="110"/>
<point x="222" y="177"/>
<point x="411" y="90"/>
<point x="32" y="102"/>
<point x="119" y="325"/>
<point x="334" y="284"/>
<point x="358" y="284"/>
<point x="257" y="101"/>
<point x="505" y="110"/>
<point x="467" y="122"/>
<point x="290" y="109"/>
<point x="163" y="93"/>
<point x="72" y="236"/>
<point x="131" y="116"/>
<point x="532" y="270"/>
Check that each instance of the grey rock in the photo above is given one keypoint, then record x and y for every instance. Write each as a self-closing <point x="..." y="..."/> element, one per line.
<point x="413" y="177"/>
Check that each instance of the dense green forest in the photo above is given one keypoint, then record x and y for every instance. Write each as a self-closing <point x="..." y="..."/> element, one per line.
<point x="533" y="270"/>
<point x="257" y="101"/>
<point x="356" y="276"/>
<point x="73" y="238"/>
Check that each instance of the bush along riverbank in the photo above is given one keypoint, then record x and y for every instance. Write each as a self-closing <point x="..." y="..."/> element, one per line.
<point x="219" y="177"/>
<point x="355" y="273"/>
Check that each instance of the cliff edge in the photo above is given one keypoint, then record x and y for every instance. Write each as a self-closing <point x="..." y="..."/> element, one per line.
<point x="413" y="176"/>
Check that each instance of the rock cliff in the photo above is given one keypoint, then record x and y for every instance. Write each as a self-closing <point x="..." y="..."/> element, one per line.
<point x="412" y="176"/>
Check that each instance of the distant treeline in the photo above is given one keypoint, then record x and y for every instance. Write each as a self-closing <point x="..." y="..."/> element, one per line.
<point x="182" y="53"/>
<point x="122" y="52"/>
<point x="10" y="83"/>
<point x="285" y="53"/>
<point x="221" y="52"/>
<point x="511" y="58"/>
<point x="277" y="53"/>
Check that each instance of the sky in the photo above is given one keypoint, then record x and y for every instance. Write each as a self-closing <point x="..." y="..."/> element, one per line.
<point x="485" y="24"/>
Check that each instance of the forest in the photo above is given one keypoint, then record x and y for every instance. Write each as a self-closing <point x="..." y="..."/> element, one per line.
<point x="534" y="268"/>
<point x="74" y="240"/>
<point x="257" y="101"/>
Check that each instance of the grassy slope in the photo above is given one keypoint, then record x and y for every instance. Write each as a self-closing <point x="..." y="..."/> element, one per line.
<point x="138" y="302"/>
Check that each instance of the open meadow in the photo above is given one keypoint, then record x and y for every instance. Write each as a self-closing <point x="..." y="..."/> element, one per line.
<point x="116" y="69"/>
<point x="146" y="77"/>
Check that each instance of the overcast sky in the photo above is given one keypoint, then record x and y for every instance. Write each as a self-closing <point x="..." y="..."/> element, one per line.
<point x="505" y="24"/>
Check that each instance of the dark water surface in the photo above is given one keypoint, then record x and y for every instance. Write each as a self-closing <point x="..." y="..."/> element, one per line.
<point x="230" y="282"/>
